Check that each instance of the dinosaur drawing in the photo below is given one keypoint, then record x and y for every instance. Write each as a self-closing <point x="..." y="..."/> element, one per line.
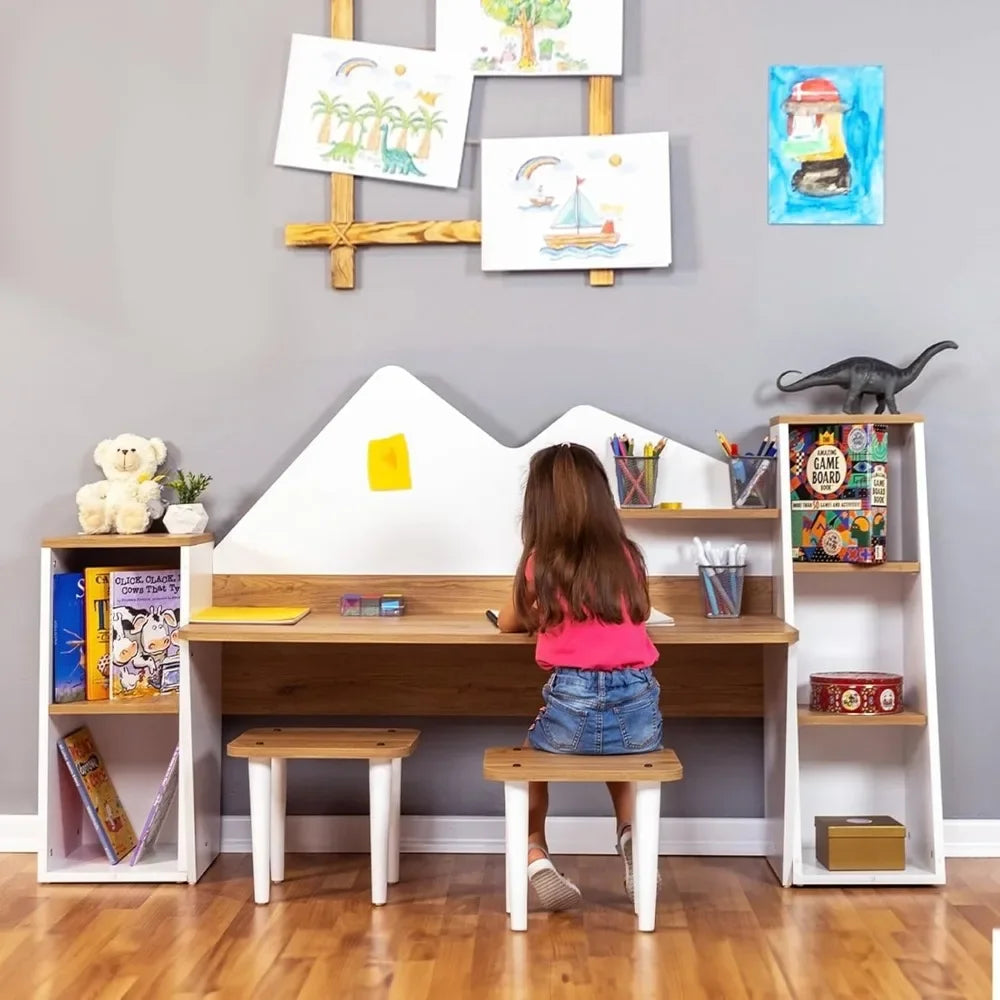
<point x="343" y="150"/>
<point x="864" y="376"/>
<point x="396" y="161"/>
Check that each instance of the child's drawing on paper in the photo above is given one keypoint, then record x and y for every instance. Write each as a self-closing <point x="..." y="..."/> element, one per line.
<point x="532" y="37"/>
<point x="825" y="157"/>
<point x="373" y="111"/>
<point x="576" y="202"/>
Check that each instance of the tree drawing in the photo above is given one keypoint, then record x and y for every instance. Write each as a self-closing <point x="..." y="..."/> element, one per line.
<point x="428" y="122"/>
<point x="377" y="109"/>
<point x="352" y="118"/>
<point x="526" y="16"/>
<point x="326" y="108"/>
<point x="405" y="122"/>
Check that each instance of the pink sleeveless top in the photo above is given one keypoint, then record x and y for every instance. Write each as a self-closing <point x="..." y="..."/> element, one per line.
<point x="592" y="644"/>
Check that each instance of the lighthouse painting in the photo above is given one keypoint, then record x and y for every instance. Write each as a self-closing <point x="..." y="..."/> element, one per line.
<point x="576" y="202"/>
<point x="826" y="145"/>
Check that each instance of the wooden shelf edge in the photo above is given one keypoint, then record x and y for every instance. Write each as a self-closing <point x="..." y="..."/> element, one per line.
<point x="699" y="514"/>
<point x="167" y="704"/>
<point x="148" y="541"/>
<point x="848" y="418"/>
<point x="807" y="717"/>
<point x="898" y="567"/>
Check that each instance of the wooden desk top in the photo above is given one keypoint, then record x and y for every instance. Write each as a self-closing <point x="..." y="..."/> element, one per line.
<point x="471" y="629"/>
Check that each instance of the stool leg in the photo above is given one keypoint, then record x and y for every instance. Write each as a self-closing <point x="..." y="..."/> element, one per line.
<point x="278" y="787"/>
<point x="646" y="852"/>
<point x="379" y="807"/>
<point x="259" y="769"/>
<point x="393" y="874"/>
<point x="516" y="811"/>
<point x="636" y="839"/>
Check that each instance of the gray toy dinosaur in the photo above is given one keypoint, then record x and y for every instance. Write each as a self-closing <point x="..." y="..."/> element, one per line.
<point x="866" y="377"/>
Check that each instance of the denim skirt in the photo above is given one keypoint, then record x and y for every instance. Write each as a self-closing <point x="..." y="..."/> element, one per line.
<point x="599" y="712"/>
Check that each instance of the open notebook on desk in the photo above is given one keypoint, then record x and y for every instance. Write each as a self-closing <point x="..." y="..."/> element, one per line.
<point x="655" y="617"/>
<point x="249" y="616"/>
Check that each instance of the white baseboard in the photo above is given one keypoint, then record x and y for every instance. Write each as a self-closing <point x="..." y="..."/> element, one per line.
<point x="963" y="838"/>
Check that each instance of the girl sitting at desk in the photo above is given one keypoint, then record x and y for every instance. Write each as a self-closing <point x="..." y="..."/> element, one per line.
<point x="581" y="587"/>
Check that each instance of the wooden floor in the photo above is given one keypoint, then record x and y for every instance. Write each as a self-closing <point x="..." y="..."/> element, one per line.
<point x="725" y="930"/>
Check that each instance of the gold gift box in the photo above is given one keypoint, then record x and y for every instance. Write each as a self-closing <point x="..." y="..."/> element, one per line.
<point x="860" y="843"/>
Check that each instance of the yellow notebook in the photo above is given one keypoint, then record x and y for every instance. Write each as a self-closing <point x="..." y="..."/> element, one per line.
<point x="249" y="616"/>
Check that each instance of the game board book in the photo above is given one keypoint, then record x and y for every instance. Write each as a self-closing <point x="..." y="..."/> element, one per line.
<point x="839" y="484"/>
<point x="86" y="767"/>
<point x="69" y="658"/>
<point x="145" y="615"/>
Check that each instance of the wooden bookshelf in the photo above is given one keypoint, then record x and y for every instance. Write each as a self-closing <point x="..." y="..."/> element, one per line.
<point x="166" y="704"/>
<point x="906" y="718"/>
<point x="699" y="514"/>
<point x="842" y="567"/>
<point x="148" y="541"/>
<point x="903" y="419"/>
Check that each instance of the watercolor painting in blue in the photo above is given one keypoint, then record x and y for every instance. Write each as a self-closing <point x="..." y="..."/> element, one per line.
<point x="826" y="150"/>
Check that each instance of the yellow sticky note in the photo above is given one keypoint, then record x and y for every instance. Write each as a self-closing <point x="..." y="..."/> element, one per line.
<point x="389" y="464"/>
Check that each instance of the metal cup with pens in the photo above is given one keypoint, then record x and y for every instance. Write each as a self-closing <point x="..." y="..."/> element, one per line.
<point x="752" y="479"/>
<point x="721" y="575"/>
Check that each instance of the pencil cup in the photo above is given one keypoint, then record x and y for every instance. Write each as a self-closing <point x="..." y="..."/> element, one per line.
<point x="636" y="477"/>
<point x="751" y="480"/>
<point x="722" y="590"/>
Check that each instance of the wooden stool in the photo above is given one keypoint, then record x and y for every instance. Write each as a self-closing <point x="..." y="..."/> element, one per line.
<point x="516" y="766"/>
<point x="268" y="750"/>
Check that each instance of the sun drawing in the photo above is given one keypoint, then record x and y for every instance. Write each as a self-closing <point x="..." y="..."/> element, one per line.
<point x="400" y="69"/>
<point x="615" y="160"/>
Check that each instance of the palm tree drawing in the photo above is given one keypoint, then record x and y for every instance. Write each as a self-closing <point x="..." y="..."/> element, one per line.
<point x="428" y="122"/>
<point x="326" y="108"/>
<point x="377" y="109"/>
<point x="352" y="118"/>
<point x="406" y="122"/>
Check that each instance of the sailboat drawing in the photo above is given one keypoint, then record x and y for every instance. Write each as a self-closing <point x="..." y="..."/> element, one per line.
<point x="579" y="225"/>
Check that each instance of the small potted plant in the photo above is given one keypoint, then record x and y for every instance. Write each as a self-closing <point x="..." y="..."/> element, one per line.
<point x="187" y="516"/>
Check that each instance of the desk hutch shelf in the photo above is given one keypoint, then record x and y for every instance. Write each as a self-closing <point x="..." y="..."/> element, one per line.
<point x="135" y="738"/>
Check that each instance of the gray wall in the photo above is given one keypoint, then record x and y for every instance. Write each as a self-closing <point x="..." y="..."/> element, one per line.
<point x="144" y="284"/>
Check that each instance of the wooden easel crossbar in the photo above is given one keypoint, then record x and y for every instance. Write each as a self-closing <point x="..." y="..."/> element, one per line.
<point x="344" y="235"/>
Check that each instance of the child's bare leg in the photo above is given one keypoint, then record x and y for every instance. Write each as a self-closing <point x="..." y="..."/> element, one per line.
<point x="623" y="799"/>
<point x="538" y="808"/>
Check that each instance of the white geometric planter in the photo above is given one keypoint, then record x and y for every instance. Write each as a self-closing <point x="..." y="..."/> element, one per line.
<point x="185" y="519"/>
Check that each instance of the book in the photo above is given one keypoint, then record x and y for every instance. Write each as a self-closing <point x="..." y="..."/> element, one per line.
<point x="69" y="644"/>
<point x="100" y="800"/>
<point x="159" y="809"/>
<point x="839" y="487"/>
<point x="249" y="616"/>
<point x="656" y="617"/>
<point x="145" y="616"/>
<point x="97" y="630"/>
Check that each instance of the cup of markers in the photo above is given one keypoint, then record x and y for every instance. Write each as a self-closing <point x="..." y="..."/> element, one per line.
<point x="636" y="474"/>
<point x="721" y="573"/>
<point x="752" y="475"/>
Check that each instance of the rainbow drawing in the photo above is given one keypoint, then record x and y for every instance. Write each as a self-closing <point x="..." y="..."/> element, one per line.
<point x="347" y="67"/>
<point x="527" y="168"/>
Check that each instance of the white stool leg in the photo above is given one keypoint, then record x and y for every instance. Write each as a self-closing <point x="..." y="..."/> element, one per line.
<point x="379" y="807"/>
<point x="259" y="769"/>
<point x="636" y="838"/>
<point x="278" y="789"/>
<point x="393" y="868"/>
<point x="506" y="867"/>
<point x="516" y="812"/>
<point x="647" y="851"/>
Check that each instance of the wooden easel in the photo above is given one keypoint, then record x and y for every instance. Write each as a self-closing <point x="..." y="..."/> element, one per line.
<point x="343" y="234"/>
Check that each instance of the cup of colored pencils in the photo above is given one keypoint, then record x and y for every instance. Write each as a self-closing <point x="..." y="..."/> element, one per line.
<point x="636" y="474"/>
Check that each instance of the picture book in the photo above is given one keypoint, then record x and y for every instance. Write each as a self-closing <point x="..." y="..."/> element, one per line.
<point x="145" y="616"/>
<point x="69" y="657"/>
<point x="839" y="482"/>
<point x="159" y="809"/>
<point x="86" y="767"/>
<point x="249" y="616"/>
<point x="97" y="634"/>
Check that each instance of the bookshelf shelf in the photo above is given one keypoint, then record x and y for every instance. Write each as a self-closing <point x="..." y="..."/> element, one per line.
<point x="813" y="873"/>
<point x="152" y="541"/>
<point x="855" y="568"/>
<point x="167" y="704"/>
<point x="89" y="864"/>
<point x="899" y="419"/>
<point x="699" y="514"/>
<point x="905" y="718"/>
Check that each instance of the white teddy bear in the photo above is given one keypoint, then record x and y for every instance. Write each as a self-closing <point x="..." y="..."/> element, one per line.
<point x="128" y="498"/>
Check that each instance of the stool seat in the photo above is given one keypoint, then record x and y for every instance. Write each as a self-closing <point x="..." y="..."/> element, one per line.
<point x="527" y="764"/>
<point x="517" y="766"/>
<point x="267" y="752"/>
<point x="325" y="744"/>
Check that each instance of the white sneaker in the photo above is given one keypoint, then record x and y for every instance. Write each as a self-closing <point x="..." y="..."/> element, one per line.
<point x="625" y="850"/>
<point x="555" y="892"/>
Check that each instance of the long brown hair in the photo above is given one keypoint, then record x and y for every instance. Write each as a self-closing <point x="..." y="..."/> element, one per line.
<point x="582" y="556"/>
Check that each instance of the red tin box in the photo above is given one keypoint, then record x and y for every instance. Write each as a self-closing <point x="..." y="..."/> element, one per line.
<point x="851" y="693"/>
